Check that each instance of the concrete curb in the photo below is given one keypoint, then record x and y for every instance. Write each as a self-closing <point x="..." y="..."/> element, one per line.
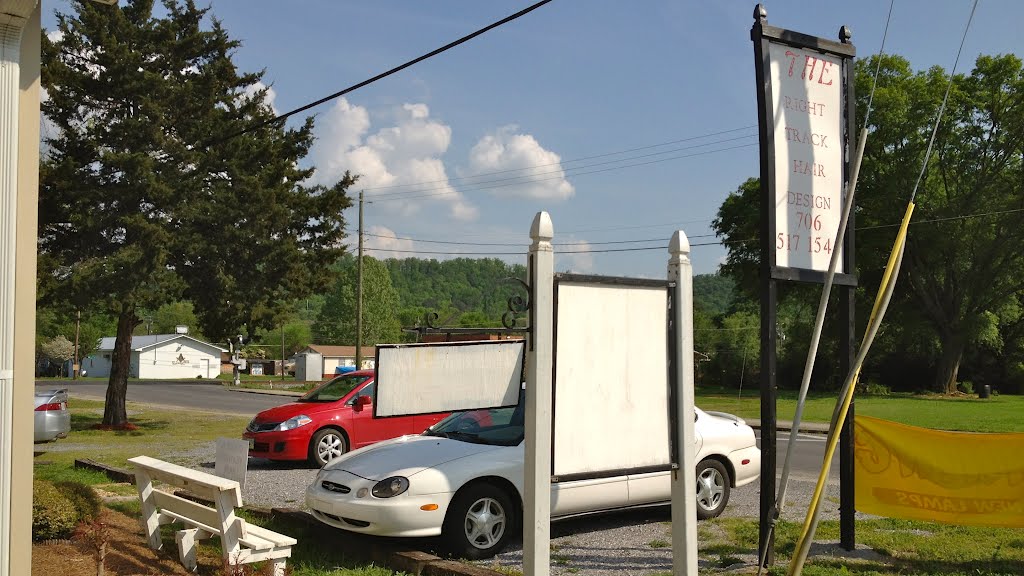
<point x="269" y="392"/>
<point x="115" y="474"/>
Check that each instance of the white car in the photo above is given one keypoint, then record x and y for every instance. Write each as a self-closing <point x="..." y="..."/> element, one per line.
<point x="463" y="479"/>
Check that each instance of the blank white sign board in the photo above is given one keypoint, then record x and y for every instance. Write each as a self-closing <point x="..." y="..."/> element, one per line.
<point x="445" y="377"/>
<point x="232" y="459"/>
<point x="611" y="378"/>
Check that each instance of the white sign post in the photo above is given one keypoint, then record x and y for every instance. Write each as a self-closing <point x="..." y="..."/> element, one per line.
<point x="539" y="356"/>
<point x="684" y="478"/>
<point x="807" y="89"/>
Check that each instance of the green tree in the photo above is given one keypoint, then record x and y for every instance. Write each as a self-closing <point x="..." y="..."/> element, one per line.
<point x="145" y="198"/>
<point x="961" y="268"/>
<point x="169" y="316"/>
<point x="337" y="321"/>
<point x="297" y="335"/>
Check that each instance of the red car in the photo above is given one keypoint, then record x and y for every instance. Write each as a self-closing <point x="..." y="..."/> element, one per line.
<point x="330" y="420"/>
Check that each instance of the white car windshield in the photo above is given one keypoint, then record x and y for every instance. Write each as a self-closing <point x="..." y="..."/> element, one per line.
<point x="496" y="426"/>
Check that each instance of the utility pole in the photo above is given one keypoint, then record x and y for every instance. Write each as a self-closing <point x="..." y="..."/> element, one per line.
<point x="282" y="352"/>
<point x="75" y="368"/>
<point x="359" y="291"/>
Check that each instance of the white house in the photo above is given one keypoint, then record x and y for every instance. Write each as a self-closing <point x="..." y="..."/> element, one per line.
<point x="160" y="356"/>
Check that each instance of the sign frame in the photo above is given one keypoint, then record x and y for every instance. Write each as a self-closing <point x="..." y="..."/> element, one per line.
<point x="763" y="36"/>
<point x="520" y="343"/>
<point x="609" y="281"/>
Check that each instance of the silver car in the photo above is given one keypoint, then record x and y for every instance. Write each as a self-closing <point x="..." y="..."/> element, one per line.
<point x="51" y="415"/>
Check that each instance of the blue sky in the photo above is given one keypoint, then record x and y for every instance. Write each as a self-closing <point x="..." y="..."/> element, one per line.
<point x="629" y="120"/>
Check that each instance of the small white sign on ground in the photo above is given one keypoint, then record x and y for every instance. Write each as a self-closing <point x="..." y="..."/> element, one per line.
<point x="445" y="377"/>
<point x="611" y="376"/>
<point x="232" y="459"/>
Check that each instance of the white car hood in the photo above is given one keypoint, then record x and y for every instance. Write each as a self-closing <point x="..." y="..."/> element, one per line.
<point x="406" y="456"/>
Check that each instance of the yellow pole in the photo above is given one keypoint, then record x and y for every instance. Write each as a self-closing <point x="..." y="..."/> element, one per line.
<point x="838" y="419"/>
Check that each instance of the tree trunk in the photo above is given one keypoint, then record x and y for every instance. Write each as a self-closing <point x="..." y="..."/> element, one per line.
<point x="953" y="345"/>
<point x="114" y="411"/>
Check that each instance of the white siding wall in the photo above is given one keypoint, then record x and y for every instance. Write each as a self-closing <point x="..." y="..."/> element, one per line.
<point x="176" y="359"/>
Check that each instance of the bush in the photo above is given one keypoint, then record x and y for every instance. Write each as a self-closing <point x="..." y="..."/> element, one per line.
<point x="876" y="389"/>
<point x="85" y="500"/>
<point x="967" y="387"/>
<point x="53" y="514"/>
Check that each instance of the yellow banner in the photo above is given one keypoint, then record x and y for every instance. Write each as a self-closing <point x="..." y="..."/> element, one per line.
<point x="958" y="478"/>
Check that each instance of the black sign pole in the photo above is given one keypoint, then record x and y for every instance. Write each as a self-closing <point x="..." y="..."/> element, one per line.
<point x="762" y="36"/>
<point x="847" y="340"/>
<point x="766" y="132"/>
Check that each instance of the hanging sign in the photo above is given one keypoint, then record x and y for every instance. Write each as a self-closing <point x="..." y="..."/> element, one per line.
<point x="806" y="114"/>
<point x="807" y="91"/>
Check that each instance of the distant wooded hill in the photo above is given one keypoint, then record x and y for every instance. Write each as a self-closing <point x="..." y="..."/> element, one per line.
<point x="474" y="292"/>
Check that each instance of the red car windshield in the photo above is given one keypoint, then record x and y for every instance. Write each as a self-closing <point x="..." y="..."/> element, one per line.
<point x="335" y="389"/>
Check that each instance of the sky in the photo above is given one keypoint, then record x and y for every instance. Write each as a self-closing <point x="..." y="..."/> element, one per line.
<point x="625" y="121"/>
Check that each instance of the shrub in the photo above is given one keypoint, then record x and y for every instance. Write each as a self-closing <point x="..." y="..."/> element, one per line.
<point x="876" y="389"/>
<point x="53" y="514"/>
<point x="967" y="387"/>
<point x="85" y="500"/>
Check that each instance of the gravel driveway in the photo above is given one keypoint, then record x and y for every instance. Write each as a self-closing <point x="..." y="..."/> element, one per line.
<point x="634" y="542"/>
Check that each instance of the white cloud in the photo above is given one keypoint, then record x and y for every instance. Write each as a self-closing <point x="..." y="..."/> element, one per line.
<point x="576" y="257"/>
<point x="268" y="99"/>
<point x="538" y="171"/>
<point x="55" y="36"/>
<point x="406" y="157"/>
<point x="382" y="243"/>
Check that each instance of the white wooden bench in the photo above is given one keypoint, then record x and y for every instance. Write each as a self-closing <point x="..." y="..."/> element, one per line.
<point x="241" y="542"/>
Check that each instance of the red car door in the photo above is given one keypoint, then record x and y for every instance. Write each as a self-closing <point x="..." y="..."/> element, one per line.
<point x="367" y="430"/>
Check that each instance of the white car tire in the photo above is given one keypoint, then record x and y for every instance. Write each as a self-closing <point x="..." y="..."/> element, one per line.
<point x="712" y="489"/>
<point x="479" y="522"/>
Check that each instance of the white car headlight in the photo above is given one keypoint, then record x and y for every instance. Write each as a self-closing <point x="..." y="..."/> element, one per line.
<point x="294" y="422"/>
<point x="390" y="487"/>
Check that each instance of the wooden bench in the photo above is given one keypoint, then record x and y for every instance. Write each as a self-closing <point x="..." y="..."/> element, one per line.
<point x="241" y="542"/>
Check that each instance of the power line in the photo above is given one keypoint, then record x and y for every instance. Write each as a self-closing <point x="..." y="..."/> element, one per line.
<point x="448" y="193"/>
<point x="697" y="245"/>
<point x="564" y="162"/>
<point x="560" y="173"/>
<point x="521" y="253"/>
<point x="391" y="71"/>
<point x="451" y="242"/>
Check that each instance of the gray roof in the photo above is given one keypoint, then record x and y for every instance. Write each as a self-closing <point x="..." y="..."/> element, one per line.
<point x="140" y="342"/>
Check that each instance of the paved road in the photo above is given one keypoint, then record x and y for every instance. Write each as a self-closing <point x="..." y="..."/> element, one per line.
<point x="192" y="394"/>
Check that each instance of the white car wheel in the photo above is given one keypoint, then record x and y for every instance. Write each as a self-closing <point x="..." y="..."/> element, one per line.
<point x="479" y="521"/>
<point x="712" y="489"/>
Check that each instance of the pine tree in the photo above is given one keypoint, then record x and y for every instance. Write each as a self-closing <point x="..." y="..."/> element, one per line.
<point x="148" y="193"/>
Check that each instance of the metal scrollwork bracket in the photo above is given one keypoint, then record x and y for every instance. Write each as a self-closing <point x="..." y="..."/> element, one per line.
<point x="517" y="306"/>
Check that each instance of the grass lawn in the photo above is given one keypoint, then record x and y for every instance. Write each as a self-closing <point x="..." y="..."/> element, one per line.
<point x="897" y="547"/>
<point x="1000" y="413"/>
